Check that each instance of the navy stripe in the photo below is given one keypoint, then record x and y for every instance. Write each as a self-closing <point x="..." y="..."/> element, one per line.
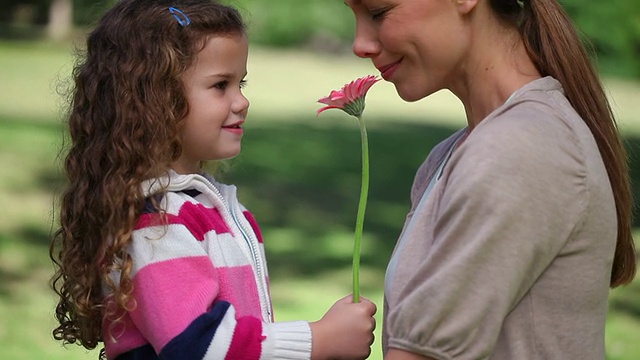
<point x="148" y="204"/>
<point x="195" y="340"/>
<point x="144" y="352"/>
<point x="191" y="192"/>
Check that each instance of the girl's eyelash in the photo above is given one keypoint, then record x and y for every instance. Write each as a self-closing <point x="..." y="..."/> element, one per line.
<point x="222" y="85"/>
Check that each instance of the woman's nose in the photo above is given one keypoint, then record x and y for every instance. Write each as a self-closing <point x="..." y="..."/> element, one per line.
<point x="365" y="43"/>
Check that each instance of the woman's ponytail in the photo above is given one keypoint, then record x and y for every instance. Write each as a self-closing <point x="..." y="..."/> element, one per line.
<point x="557" y="50"/>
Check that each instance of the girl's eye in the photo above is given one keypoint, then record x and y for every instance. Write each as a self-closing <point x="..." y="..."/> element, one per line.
<point x="221" y="85"/>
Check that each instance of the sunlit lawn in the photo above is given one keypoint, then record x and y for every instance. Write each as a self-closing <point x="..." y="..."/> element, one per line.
<point x="298" y="173"/>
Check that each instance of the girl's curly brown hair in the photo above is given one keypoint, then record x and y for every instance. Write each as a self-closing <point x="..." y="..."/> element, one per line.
<point x="125" y="117"/>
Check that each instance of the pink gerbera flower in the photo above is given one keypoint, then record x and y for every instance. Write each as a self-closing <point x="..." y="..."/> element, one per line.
<point x="350" y="99"/>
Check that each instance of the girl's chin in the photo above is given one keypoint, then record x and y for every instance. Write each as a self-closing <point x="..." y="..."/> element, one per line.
<point x="228" y="154"/>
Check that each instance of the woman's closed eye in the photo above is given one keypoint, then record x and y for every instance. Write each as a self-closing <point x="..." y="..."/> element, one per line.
<point x="378" y="14"/>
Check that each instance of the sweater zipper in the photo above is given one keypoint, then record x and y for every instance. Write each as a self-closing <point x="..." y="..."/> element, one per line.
<point x="256" y="258"/>
<point x="252" y="249"/>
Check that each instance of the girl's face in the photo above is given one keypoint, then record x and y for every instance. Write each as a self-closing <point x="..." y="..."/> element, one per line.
<point x="418" y="45"/>
<point x="217" y="107"/>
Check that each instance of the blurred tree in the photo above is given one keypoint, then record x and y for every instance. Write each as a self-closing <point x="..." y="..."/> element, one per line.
<point x="24" y="11"/>
<point x="612" y="27"/>
<point x="613" y="30"/>
<point x="60" y="19"/>
<point x="324" y="24"/>
<point x="57" y="17"/>
<point x="87" y="12"/>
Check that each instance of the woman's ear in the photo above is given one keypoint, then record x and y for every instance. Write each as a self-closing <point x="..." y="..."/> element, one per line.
<point x="465" y="6"/>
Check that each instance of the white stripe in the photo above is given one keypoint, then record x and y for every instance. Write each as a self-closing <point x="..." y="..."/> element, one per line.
<point x="226" y="251"/>
<point x="163" y="242"/>
<point x="221" y="343"/>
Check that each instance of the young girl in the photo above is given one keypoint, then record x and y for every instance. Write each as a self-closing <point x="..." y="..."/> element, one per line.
<point x="154" y="257"/>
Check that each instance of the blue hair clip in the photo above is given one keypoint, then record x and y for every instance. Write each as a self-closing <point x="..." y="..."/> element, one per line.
<point x="183" y="19"/>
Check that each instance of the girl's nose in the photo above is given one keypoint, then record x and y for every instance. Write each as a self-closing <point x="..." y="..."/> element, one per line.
<point x="240" y="105"/>
<point x="365" y="43"/>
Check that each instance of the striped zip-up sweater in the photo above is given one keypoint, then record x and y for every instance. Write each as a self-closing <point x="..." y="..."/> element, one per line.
<point x="200" y="282"/>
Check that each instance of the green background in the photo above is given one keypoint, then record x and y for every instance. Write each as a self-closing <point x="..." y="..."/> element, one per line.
<point x="299" y="174"/>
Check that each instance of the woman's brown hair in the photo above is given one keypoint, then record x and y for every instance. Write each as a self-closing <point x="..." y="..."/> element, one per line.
<point x="124" y="119"/>
<point x="557" y="50"/>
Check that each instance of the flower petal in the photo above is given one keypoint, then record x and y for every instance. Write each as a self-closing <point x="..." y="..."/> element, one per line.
<point x="327" y="108"/>
<point x="350" y="98"/>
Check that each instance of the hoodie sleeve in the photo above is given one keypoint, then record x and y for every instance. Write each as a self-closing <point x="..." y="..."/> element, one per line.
<point x="183" y="306"/>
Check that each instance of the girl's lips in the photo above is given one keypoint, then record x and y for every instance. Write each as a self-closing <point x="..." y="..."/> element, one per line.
<point x="234" y="128"/>
<point x="387" y="71"/>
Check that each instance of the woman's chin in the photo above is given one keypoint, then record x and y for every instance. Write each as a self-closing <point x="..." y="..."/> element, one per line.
<point x="411" y="92"/>
<point x="410" y="95"/>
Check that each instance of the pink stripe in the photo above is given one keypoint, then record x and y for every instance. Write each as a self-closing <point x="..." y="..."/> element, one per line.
<point x="130" y="339"/>
<point x="238" y="286"/>
<point x="247" y="340"/>
<point x="254" y="225"/>
<point x="170" y="295"/>
<point x="195" y="217"/>
<point x="123" y="337"/>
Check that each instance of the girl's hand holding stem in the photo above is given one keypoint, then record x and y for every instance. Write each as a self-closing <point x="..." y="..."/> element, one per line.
<point x="345" y="331"/>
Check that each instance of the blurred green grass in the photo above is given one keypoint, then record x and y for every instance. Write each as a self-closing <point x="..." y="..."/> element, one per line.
<point x="299" y="174"/>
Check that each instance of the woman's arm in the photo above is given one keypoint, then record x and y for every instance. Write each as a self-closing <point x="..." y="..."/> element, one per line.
<point x="397" y="354"/>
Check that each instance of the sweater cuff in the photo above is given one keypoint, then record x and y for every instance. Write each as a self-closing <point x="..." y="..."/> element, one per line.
<point x="287" y="340"/>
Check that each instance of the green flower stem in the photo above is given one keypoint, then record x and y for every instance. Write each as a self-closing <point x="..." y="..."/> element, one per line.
<point x="364" y="190"/>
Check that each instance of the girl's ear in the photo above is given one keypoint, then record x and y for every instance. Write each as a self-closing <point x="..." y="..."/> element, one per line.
<point x="465" y="6"/>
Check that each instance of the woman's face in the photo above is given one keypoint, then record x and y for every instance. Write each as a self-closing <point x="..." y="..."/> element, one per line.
<point x="418" y="45"/>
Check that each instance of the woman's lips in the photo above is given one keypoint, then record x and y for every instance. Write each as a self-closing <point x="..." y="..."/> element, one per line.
<point x="387" y="71"/>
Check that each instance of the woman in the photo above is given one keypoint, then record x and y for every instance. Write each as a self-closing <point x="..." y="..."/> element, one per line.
<point x="520" y="222"/>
